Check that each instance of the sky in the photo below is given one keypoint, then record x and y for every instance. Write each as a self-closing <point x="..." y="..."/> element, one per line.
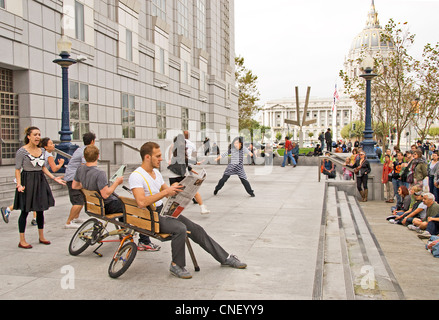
<point x="289" y="43"/>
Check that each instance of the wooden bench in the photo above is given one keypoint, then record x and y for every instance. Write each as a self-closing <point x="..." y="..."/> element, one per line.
<point x="94" y="206"/>
<point x="144" y="221"/>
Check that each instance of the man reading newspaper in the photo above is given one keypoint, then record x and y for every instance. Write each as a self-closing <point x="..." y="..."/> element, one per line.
<point x="149" y="188"/>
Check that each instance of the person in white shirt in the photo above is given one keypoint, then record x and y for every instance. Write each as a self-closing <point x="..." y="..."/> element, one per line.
<point x="149" y="188"/>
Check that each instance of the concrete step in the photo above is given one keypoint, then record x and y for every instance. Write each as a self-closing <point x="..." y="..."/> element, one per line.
<point x="354" y="267"/>
<point x="337" y="282"/>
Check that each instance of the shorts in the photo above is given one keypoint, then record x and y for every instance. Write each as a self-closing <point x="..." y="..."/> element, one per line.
<point x="76" y="196"/>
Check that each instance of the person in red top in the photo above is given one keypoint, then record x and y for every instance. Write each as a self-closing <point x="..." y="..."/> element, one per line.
<point x="386" y="179"/>
<point x="288" y="152"/>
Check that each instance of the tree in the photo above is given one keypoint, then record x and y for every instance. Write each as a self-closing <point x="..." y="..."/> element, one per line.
<point x="394" y="89"/>
<point x="248" y="94"/>
<point x="426" y="109"/>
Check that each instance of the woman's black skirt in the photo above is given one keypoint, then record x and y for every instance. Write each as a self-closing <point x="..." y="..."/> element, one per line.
<point x="37" y="195"/>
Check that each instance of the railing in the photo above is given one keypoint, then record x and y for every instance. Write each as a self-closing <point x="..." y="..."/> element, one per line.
<point x="105" y="162"/>
<point x="336" y="159"/>
<point x="123" y="144"/>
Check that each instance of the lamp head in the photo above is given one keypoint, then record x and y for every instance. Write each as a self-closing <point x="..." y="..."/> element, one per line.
<point x="64" y="45"/>
<point x="368" y="64"/>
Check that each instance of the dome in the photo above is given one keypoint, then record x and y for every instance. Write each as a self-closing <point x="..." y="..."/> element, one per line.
<point x="371" y="38"/>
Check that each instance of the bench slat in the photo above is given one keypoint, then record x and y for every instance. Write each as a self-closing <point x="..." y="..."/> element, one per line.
<point x="95" y="209"/>
<point x="140" y="223"/>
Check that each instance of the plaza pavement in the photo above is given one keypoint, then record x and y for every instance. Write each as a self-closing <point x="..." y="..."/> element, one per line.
<point x="276" y="233"/>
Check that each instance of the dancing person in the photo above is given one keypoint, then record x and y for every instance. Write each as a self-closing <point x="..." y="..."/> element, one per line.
<point x="180" y="165"/>
<point x="236" y="165"/>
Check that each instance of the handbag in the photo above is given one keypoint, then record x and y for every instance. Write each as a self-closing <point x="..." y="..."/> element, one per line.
<point x="177" y="168"/>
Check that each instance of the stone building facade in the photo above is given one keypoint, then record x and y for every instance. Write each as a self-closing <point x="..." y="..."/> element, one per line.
<point x="146" y="69"/>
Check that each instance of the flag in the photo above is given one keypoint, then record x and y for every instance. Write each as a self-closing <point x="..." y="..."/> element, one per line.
<point x="336" y="99"/>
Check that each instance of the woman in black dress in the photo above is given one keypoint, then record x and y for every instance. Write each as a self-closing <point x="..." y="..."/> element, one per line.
<point x="32" y="192"/>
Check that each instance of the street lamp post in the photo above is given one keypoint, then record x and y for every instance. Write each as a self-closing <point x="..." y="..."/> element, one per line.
<point x="64" y="47"/>
<point x="369" y="143"/>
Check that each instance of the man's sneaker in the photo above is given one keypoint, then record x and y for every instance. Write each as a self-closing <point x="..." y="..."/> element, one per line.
<point x="424" y="235"/>
<point x="5" y="214"/>
<point x="179" y="272"/>
<point x="148" y="247"/>
<point x="204" y="210"/>
<point x="233" y="261"/>
<point x="413" y="227"/>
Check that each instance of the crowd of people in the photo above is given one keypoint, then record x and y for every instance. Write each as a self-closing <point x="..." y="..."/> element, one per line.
<point x="35" y="161"/>
<point x="411" y="181"/>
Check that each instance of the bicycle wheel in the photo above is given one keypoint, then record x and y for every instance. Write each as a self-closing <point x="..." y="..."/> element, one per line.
<point x="81" y="240"/>
<point x="123" y="259"/>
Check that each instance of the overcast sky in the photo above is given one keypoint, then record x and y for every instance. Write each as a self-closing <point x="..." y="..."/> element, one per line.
<point x="289" y="43"/>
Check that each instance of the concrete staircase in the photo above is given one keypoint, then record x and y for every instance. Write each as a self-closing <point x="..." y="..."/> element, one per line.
<point x="350" y="264"/>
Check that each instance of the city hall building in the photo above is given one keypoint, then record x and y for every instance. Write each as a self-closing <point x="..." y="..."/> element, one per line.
<point x="145" y="70"/>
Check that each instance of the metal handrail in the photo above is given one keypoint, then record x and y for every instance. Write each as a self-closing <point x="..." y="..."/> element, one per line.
<point x="121" y="143"/>
<point x="69" y="156"/>
<point x="337" y="161"/>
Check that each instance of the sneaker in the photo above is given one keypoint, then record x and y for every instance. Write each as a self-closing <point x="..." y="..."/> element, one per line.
<point x="78" y="221"/>
<point x="413" y="227"/>
<point x="179" y="272"/>
<point x="33" y="222"/>
<point x="424" y="235"/>
<point x="71" y="226"/>
<point x="392" y="221"/>
<point x="233" y="261"/>
<point x="204" y="209"/>
<point x="147" y="247"/>
<point x="390" y="217"/>
<point x="5" y="214"/>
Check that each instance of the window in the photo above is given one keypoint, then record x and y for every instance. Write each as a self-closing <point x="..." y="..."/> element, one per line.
<point x="9" y="121"/>
<point x="200" y="25"/>
<point x="2" y="4"/>
<point x="185" y="73"/>
<point x="161" y="120"/>
<point x="162" y="61"/>
<point x="184" y="119"/>
<point x="159" y="9"/>
<point x="79" y="109"/>
<point x="203" y="124"/>
<point x="79" y="21"/>
<point x="129" y="45"/>
<point x="128" y="116"/>
<point x="183" y="18"/>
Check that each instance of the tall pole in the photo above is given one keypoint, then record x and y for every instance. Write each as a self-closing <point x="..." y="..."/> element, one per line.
<point x="65" y="134"/>
<point x="369" y="143"/>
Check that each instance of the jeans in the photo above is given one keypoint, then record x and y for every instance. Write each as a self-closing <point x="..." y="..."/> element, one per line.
<point x="433" y="227"/>
<point x="433" y="188"/>
<point x="288" y="154"/>
<point x="396" y="184"/>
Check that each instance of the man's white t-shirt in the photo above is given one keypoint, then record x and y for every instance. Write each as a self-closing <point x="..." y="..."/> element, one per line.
<point x="141" y="179"/>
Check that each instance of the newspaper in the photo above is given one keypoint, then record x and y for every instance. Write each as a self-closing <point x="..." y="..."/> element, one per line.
<point x="119" y="173"/>
<point x="176" y="204"/>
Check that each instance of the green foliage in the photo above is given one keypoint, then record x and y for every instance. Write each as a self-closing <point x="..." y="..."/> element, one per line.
<point x="248" y="94"/>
